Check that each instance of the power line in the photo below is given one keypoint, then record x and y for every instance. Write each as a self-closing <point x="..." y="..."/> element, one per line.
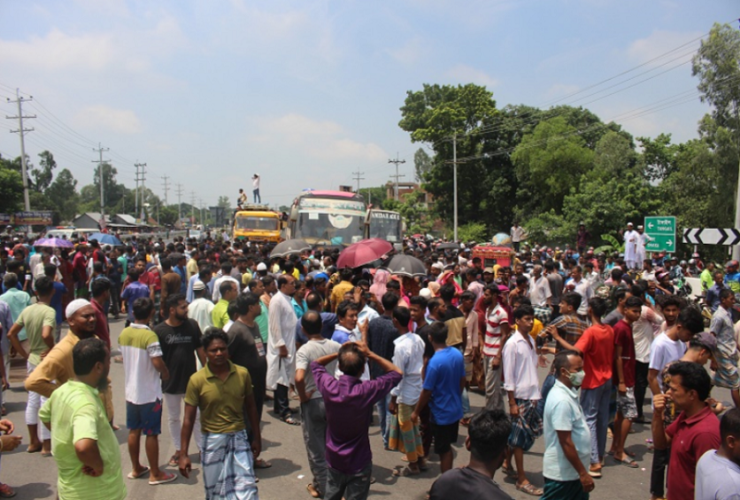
<point x="166" y="179"/>
<point x="21" y="133"/>
<point x="358" y="178"/>
<point x="179" y="202"/>
<point x="396" y="162"/>
<point x="100" y="149"/>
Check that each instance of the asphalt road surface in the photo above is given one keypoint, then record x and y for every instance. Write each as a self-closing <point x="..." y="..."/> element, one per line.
<point x="34" y="477"/>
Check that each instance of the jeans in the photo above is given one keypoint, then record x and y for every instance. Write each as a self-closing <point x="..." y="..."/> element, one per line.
<point x="641" y="384"/>
<point x="657" y="474"/>
<point x="384" y="417"/>
<point x="494" y="390"/>
<point x="546" y="386"/>
<point x="115" y="297"/>
<point x="257" y="197"/>
<point x="313" y="418"/>
<point x="465" y="403"/>
<point x="348" y="486"/>
<point x="595" y="404"/>
<point x="173" y="402"/>
<point x="280" y="402"/>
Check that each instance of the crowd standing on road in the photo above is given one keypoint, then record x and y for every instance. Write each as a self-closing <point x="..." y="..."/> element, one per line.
<point x="215" y="328"/>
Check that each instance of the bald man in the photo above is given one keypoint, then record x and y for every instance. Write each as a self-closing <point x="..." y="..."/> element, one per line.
<point x="58" y="364"/>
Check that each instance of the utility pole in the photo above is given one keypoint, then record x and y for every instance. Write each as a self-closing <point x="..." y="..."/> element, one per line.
<point x="397" y="161"/>
<point x="21" y="133"/>
<point x="454" y="180"/>
<point x="192" y="206"/>
<point x="136" y="192"/>
<point x="100" y="162"/>
<point x="166" y="179"/>
<point x="142" y="178"/>
<point x="179" y="203"/>
<point x="200" y="203"/>
<point x="358" y="179"/>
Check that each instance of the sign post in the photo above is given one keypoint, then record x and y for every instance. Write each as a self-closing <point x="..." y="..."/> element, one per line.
<point x="662" y="233"/>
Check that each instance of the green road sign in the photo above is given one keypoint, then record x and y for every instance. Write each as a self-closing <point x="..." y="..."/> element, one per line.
<point x="662" y="233"/>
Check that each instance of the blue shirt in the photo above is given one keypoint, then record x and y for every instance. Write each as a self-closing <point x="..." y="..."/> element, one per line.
<point x="444" y="372"/>
<point x="328" y="323"/>
<point x="716" y="477"/>
<point x="135" y="290"/>
<point x="56" y="300"/>
<point x="563" y="413"/>
<point x="183" y="278"/>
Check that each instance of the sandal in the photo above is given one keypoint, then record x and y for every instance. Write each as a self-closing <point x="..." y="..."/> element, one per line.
<point x="626" y="452"/>
<point x="291" y="421"/>
<point x="132" y="475"/>
<point x="174" y="460"/>
<point x="167" y="478"/>
<point x="313" y="491"/>
<point x="627" y="462"/>
<point x="529" y="489"/>
<point x="406" y="472"/>
<point x="509" y="471"/>
<point x="262" y="464"/>
<point x="6" y="491"/>
<point x="594" y="472"/>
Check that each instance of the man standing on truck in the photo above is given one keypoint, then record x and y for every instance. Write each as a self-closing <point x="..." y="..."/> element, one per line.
<point x="256" y="188"/>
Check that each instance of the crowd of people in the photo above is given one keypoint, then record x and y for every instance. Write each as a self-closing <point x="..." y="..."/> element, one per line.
<point x="215" y="330"/>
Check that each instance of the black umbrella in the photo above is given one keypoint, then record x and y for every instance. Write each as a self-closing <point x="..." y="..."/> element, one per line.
<point x="289" y="247"/>
<point x="450" y="245"/>
<point x="405" y="265"/>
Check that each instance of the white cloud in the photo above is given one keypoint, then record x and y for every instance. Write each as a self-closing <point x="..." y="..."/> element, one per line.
<point x="409" y="53"/>
<point x="466" y="74"/>
<point x="123" y="121"/>
<point x="659" y="42"/>
<point x="57" y="50"/>
<point x="320" y="139"/>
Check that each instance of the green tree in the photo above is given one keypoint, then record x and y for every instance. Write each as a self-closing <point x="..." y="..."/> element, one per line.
<point x="223" y="201"/>
<point x="613" y="156"/>
<point x="11" y="187"/>
<point x="549" y="163"/>
<point x="62" y="193"/>
<point x="43" y="176"/>
<point x="657" y="160"/>
<point x="422" y="164"/>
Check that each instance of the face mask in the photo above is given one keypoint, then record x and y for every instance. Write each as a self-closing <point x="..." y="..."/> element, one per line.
<point x="577" y="378"/>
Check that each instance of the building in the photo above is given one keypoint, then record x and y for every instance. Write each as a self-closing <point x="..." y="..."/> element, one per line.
<point x="406" y="188"/>
<point x="89" y="220"/>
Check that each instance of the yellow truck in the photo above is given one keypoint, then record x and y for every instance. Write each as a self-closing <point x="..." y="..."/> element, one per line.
<point x="257" y="223"/>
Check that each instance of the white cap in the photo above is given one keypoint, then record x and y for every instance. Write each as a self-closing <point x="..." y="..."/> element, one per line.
<point x="261" y="266"/>
<point x="426" y="293"/>
<point x="75" y="306"/>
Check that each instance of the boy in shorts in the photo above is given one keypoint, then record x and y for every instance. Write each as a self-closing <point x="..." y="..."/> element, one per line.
<point x="143" y="365"/>
<point x="624" y="378"/>
<point x="443" y="386"/>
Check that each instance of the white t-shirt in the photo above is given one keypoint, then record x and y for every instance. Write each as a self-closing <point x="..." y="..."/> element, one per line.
<point x="644" y="331"/>
<point x="663" y="351"/>
<point x="517" y="233"/>
<point x="256" y="183"/>
<point x="539" y="291"/>
<point x="138" y="346"/>
<point x="492" y="340"/>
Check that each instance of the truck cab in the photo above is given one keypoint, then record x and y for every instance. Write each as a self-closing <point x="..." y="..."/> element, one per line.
<point x="257" y="223"/>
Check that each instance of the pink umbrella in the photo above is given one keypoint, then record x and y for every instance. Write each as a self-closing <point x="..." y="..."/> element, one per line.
<point x="363" y="252"/>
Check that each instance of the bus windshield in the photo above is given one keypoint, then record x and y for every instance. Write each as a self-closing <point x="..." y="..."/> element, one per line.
<point x="333" y="221"/>
<point x="256" y="223"/>
<point x="386" y="226"/>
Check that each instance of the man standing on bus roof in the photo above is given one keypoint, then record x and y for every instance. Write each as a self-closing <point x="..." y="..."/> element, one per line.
<point x="256" y="188"/>
<point x="242" y="199"/>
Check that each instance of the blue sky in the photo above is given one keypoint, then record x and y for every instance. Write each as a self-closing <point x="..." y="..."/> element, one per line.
<point x="208" y="92"/>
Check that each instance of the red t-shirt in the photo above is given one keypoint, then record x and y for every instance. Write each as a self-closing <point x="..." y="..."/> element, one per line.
<point x="690" y="439"/>
<point x="623" y="337"/>
<point x="597" y="346"/>
<point x="101" y="325"/>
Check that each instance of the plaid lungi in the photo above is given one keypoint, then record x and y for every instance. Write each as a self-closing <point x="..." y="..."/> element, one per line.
<point x="405" y="436"/>
<point x="527" y="426"/>
<point x="228" y="472"/>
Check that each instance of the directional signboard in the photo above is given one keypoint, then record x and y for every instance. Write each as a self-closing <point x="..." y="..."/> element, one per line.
<point x="711" y="236"/>
<point x="662" y="233"/>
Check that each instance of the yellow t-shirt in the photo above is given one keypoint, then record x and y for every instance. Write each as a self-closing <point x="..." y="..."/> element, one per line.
<point x="221" y="402"/>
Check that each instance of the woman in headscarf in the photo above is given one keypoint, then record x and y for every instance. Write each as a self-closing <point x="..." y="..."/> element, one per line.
<point x="379" y="283"/>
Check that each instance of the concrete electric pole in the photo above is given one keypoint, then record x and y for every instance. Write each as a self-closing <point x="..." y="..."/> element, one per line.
<point x="21" y="133"/>
<point x="100" y="149"/>
<point x="397" y="161"/>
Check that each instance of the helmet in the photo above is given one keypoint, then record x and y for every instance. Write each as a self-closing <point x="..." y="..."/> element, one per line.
<point x="683" y="263"/>
<point x="695" y="255"/>
<point x="692" y="262"/>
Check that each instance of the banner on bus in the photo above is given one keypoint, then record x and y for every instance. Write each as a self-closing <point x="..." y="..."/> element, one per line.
<point x="33" y="218"/>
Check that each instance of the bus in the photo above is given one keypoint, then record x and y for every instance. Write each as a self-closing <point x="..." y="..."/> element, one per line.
<point x="334" y="218"/>
<point x="386" y="225"/>
<point x="257" y="223"/>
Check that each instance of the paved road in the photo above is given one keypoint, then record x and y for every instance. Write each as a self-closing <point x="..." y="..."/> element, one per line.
<point x="34" y="477"/>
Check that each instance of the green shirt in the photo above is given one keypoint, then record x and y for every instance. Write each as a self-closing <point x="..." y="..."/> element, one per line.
<point x="221" y="402"/>
<point x="17" y="300"/>
<point x="261" y="321"/>
<point x="707" y="280"/>
<point x="34" y="318"/>
<point x="124" y="267"/>
<point x="220" y="313"/>
<point x="76" y="412"/>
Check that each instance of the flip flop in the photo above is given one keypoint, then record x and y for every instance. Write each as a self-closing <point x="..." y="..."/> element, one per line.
<point x="262" y="464"/>
<point x="405" y="472"/>
<point x="131" y="474"/>
<point x="509" y="471"/>
<point x="530" y="489"/>
<point x="174" y="460"/>
<point x="626" y="452"/>
<point x="291" y="421"/>
<point x="627" y="462"/>
<point x="312" y="491"/>
<point x="168" y="478"/>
